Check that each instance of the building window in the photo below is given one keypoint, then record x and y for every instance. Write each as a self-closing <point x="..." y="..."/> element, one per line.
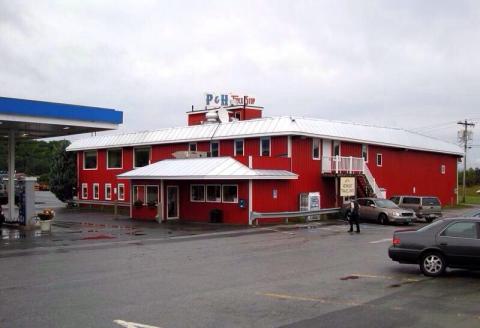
<point x="108" y="191"/>
<point x="90" y="160"/>
<point x="239" y="147"/>
<point x="315" y="148"/>
<point x="365" y="152"/>
<point x="141" y="156"/>
<point x="214" y="149"/>
<point x="442" y="169"/>
<point x="192" y="146"/>
<point x="265" y="146"/>
<point x="152" y="195"/>
<point x="379" y="160"/>
<point x="96" y="191"/>
<point x="336" y="148"/>
<point x="121" y="191"/>
<point x="230" y="193"/>
<point x="114" y="158"/>
<point x="238" y="116"/>
<point x="84" y="190"/>
<point x="214" y="193"/>
<point x="139" y="194"/>
<point x="197" y="193"/>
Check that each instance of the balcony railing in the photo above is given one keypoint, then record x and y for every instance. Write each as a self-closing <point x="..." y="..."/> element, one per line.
<point x="343" y="164"/>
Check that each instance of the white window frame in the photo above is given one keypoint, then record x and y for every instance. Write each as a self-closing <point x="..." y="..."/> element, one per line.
<point x="190" y="144"/>
<point x="319" y="149"/>
<point x="334" y="144"/>
<point x="149" y="156"/>
<point x="122" y="185"/>
<point x="230" y="185"/>
<point x="84" y="188"/>
<point x="97" y="186"/>
<point x="366" y="147"/>
<point x="108" y="185"/>
<point x="269" y="146"/>
<point x="121" y="160"/>
<point x="379" y="155"/>
<point x="443" y="169"/>
<point x="235" y="147"/>
<point x="146" y="193"/>
<point x="204" y="193"/>
<point x="96" y="154"/>
<point x="218" y="149"/>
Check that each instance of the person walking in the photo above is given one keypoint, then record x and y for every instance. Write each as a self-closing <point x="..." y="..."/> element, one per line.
<point x="354" y="216"/>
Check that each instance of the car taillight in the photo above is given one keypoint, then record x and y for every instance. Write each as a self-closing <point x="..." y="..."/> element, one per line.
<point x="396" y="241"/>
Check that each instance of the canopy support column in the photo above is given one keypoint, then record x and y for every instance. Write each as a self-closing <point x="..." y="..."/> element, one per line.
<point x="11" y="175"/>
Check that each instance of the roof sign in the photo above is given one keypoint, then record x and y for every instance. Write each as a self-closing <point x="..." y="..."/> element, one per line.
<point x="213" y="100"/>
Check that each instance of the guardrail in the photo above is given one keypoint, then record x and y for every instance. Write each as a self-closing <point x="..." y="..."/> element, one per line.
<point x="255" y="216"/>
<point x="342" y="164"/>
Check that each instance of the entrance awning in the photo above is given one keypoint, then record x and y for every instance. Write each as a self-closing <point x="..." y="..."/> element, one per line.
<point x="210" y="168"/>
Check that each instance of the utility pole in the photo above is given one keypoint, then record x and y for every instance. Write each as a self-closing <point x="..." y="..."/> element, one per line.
<point x="464" y="136"/>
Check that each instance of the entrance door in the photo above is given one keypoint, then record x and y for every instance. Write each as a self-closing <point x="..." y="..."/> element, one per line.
<point x="172" y="202"/>
<point x="326" y="156"/>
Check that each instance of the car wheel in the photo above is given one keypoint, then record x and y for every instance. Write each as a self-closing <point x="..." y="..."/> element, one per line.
<point x="382" y="218"/>
<point x="433" y="264"/>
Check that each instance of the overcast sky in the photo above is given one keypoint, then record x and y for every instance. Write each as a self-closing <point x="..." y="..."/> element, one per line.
<point x="408" y="64"/>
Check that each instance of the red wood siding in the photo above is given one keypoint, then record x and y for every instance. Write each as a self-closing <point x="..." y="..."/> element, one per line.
<point x="350" y="149"/>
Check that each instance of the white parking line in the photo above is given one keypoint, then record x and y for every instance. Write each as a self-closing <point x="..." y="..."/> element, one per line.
<point x="380" y="241"/>
<point x="128" y="324"/>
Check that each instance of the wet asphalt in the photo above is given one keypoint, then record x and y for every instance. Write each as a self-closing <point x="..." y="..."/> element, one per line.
<point x="315" y="275"/>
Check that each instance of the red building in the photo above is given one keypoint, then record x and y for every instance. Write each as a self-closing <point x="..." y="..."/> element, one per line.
<point x="238" y="162"/>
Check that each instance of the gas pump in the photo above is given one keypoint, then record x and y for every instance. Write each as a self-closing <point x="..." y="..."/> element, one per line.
<point x="26" y="202"/>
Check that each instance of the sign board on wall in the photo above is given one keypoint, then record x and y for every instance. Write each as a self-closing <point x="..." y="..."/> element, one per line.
<point x="213" y="100"/>
<point x="347" y="186"/>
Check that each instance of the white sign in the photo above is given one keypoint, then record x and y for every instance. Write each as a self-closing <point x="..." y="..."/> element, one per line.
<point x="213" y="100"/>
<point x="347" y="186"/>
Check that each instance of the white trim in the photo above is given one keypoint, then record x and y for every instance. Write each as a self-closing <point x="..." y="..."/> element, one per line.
<point x="218" y="148"/>
<point x="162" y="200"/>
<point x="381" y="159"/>
<point x="146" y="193"/>
<point x="178" y="202"/>
<point x="121" y="159"/>
<point x="191" y="192"/>
<point x="96" y="184"/>
<point x="235" y="147"/>
<point x="96" y="161"/>
<point x="214" y="177"/>
<point x="289" y="146"/>
<point x="108" y="185"/>
<point x="149" y="155"/>
<point x="118" y="191"/>
<point x="206" y="193"/>
<point x="319" y="149"/>
<point x="365" y="159"/>
<point x="57" y="121"/>
<point x="250" y="199"/>
<point x="269" y="146"/>
<point x="236" y="198"/>
<point x="86" y="190"/>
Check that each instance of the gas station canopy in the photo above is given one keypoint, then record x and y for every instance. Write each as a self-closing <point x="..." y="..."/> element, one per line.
<point x="32" y="119"/>
<point x="38" y="119"/>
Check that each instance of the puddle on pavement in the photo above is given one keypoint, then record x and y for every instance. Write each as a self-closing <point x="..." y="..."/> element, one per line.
<point x="15" y="234"/>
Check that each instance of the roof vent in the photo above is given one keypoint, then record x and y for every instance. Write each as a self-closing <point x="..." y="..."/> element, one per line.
<point x="211" y="116"/>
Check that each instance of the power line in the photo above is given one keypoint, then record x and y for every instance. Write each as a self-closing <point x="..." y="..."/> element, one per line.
<point x="438" y="125"/>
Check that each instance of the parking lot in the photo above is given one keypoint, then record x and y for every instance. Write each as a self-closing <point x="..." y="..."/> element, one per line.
<point x="314" y="275"/>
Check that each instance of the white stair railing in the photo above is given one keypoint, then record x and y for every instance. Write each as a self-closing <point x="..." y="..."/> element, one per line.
<point x="371" y="181"/>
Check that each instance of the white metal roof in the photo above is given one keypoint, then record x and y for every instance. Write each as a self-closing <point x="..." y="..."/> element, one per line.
<point x="207" y="168"/>
<point x="272" y="126"/>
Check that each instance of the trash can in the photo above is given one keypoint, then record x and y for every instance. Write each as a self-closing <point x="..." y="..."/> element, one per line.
<point x="216" y="216"/>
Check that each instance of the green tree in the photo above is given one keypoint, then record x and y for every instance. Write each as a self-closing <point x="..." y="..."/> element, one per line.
<point x="62" y="176"/>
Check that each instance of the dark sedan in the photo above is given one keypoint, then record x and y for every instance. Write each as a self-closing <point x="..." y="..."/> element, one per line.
<point x="453" y="243"/>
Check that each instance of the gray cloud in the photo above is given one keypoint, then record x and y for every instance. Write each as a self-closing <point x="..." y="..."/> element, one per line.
<point x="405" y="64"/>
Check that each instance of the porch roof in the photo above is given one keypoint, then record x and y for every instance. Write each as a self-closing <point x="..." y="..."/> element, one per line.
<point x="209" y="168"/>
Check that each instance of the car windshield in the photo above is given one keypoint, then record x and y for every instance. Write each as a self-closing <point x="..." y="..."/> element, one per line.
<point x="385" y="203"/>
<point x="432" y="201"/>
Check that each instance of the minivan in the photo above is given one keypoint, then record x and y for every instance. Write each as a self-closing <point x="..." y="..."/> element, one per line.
<point x="426" y="207"/>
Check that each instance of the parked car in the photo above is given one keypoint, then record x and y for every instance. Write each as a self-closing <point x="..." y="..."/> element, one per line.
<point x="381" y="210"/>
<point x="473" y="213"/>
<point x="426" y="207"/>
<point x="453" y="243"/>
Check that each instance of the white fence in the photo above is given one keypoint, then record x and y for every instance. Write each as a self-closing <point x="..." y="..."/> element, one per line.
<point x="342" y="164"/>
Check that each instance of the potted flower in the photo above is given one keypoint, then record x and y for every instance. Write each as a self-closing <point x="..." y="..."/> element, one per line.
<point x="46" y="218"/>
<point x="138" y="203"/>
